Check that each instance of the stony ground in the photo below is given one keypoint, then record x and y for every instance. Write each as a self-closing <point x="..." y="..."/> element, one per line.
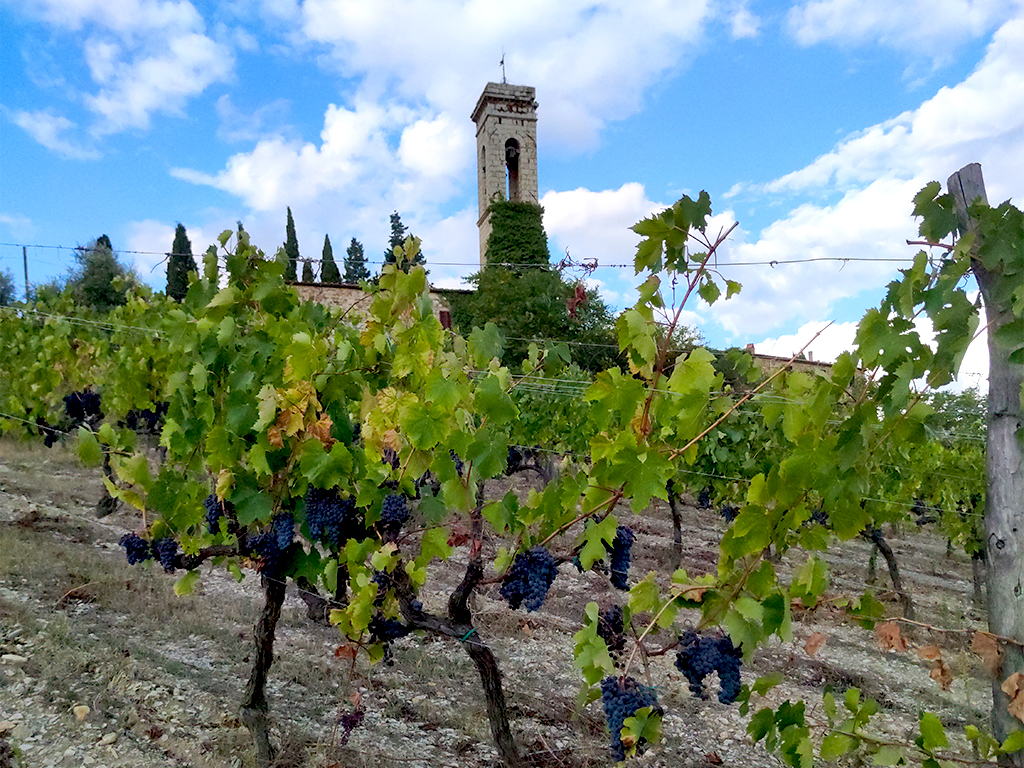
<point x="101" y="665"/>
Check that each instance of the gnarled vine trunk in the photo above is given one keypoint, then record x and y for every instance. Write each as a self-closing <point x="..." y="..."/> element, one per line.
<point x="254" y="711"/>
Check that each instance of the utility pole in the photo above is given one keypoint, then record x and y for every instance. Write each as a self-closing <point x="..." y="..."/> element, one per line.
<point x="24" y="258"/>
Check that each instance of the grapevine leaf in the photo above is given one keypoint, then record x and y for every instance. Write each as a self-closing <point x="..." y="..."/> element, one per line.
<point x="434" y="544"/>
<point x="89" y="450"/>
<point x="1014" y="742"/>
<point x="492" y="399"/>
<point x="644" y="725"/>
<point x="595" y="541"/>
<point x="485" y="344"/>
<point x="836" y="745"/>
<point x="761" y="724"/>
<point x="186" y="584"/>
<point x="933" y="735"/>
<point x="251" y="504"/>
<point x="709" y="291"/>
<point x="887" y="755"/>
<point x="644" y="596"/>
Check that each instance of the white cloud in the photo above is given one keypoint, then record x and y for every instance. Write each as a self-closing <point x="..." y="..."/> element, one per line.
<point x="236" y="125"/>
<point x="833" y="340"/>
<point x="50" y="130"/>
<point x="595" y="226"/>
<point x="744" y="24"/>
<point x="146" y="56"/>
<point x="877" y="173"/>
<point x="580" y="55"/>
<point x="355" y="165"/>
<point x="163" y="82"/>
<point x="978" y="120"/>
<point x="926" y="26"/>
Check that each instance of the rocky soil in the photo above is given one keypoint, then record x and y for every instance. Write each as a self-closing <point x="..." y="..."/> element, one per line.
<point x="101" y="665"/>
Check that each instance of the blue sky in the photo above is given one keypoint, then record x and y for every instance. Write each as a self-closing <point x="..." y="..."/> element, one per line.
<point x="810" y="123"/>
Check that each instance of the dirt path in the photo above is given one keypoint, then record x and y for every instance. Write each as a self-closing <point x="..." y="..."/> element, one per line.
<point x="161" y="676"/>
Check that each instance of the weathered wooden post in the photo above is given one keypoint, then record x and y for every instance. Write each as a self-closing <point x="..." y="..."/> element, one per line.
<point x="1004" y="463"/>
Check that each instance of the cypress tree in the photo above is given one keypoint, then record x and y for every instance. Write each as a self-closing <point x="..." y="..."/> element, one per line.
<point x="307" y="271"/>
<point x="291" y="250"/>
<point x="328" y="269"/>
<point x="179" y="264"/>
<point x="355" y="263"/>
<point x="397" y="240"/>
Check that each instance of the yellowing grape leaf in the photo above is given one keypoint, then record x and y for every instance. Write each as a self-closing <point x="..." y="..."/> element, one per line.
<point x="889" y="638"/>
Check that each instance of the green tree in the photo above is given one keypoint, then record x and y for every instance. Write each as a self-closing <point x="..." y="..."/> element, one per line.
<point x="291" y="250"/>
<point x="179" y="264"/>
<point x="328" y="268"/>
<point x="527" y="299"/>
<point x="399" y="233"/>
<point x="99" y="281"/>
<point x="7" y="291"/>
<point x="355" y="263"/>
<point x="307" y="271"/>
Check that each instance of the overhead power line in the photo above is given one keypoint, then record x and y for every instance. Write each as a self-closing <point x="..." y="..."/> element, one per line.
<point x="763" y="263"/>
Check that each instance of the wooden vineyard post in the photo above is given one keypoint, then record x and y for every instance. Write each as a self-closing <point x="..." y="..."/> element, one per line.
<point x="1004" y="465"/>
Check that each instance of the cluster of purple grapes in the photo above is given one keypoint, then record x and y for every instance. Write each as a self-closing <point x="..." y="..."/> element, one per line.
<point x="700" y="655"/>
<point x="622" y="697"/>
<point x="83" y="407"/>
<point x="704" y="498"/>
<point x="390" y="457"/>
<point x="331" y="516"/>
<point x="348" y="722"/>
<point x="517" y="458"/>
<point x="385" y="630"/>
<point x="611" y="629"/>
<point x="165" y="550"/>
<point x="621" y="546"/>
<point x="728" y="512"/>
<point x="136" y="548"/>
<point x="215" y="510"/>
<point x="459" y="466"/>
<point x="51" y="435"/>
<point x="394" y="513"/>
<point x="146" y="421"/>
<point x="272" y="546"/>
<point x="529" y="579"/>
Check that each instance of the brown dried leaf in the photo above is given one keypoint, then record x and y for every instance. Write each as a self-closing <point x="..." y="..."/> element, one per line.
<point x="274" y="437"/>
<point x="356" y="698"/>
<point x="579" y="297"/>
<point x="930" y="653"/>
<point x="815" y="643"/>
<point x="346" y="651"/>
<point x="942" y="674"/>
<point x="986" y="646"/>
<point x="694" y="592"/>
<point x="1012" y="687"/>
<point x="889" y="637"/>
<point x="321" y="430"/>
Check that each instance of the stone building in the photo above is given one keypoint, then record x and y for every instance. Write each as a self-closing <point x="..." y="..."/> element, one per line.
<point x="506" y="150"/>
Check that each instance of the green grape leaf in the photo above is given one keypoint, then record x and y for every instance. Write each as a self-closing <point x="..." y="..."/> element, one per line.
<point x="90" y="452"/>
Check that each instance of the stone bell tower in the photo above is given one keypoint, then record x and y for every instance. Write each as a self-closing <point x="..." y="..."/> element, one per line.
<point x="506" y="150"/>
